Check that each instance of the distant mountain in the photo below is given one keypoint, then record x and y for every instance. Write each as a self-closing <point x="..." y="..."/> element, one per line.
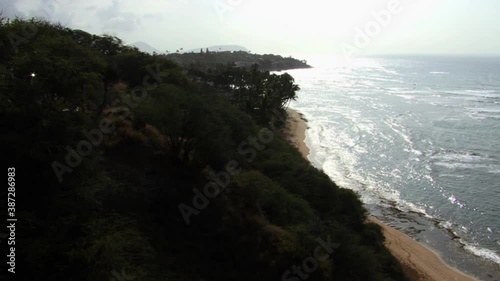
<point x="220" y="48"/>
<point x="145" y="47"/>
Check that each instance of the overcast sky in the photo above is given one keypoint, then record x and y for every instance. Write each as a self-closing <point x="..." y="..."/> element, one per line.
<point x="285" y="26"/>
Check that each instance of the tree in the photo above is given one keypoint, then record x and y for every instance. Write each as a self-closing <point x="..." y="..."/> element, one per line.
<point x="257" y="92"/>
<point x="64" y="65"/>
<point x="188" y="136"/>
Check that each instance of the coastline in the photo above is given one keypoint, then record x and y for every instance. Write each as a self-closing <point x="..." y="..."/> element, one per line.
<point x="419" y="262"/>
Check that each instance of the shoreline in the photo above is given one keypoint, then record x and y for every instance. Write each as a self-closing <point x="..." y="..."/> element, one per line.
<point x="418" y="261"/>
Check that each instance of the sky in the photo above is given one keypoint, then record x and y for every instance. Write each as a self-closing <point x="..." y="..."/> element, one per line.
<point x="361" y="27"/>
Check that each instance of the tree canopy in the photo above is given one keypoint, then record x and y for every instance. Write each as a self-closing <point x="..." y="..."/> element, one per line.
<point x="118" y="155"/>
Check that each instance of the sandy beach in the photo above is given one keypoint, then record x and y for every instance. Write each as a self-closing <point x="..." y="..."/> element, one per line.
<point x="419" y="262"/>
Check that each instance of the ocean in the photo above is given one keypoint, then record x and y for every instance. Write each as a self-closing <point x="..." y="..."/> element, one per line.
<point x="418" y="138"/>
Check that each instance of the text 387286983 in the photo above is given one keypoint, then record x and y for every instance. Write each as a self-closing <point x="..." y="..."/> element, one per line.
<point x="11" y="219"/>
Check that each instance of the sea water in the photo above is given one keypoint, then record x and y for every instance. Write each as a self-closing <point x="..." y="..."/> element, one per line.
<point x="418" y="138"/>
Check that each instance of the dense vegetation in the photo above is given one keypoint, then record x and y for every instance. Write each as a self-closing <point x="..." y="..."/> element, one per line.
<point x="207" y="59"/>
<point x="127" y="168"/>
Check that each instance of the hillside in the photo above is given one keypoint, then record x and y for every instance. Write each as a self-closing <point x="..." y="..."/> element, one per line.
<point x="209" y="59"/>
<point x="126" y="168"/>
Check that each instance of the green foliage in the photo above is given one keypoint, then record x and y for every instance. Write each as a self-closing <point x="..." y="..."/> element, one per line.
<point x="210" y="60"/>
<point x="259" y="93"/>
<point x="198" y="129"/>
<point x="118" y="208"/>
<point x="270" y="200"/>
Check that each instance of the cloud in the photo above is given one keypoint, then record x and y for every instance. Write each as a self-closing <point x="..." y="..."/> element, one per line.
<point x="9" y="9"/>
<point x="113" y="18"/>
<point x="279" y="26"/>
<point x="96" y="15"/>
<point x="125" y="22"/>
<point x="51" y="10"/>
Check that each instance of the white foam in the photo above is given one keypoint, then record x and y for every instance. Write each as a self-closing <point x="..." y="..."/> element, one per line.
<point x="483" y="110"/>
<point x="399" y="129"/>
<point x="481" y="91"/>
<point x="404" y="205"/>
<point x="451" y="175"/>
<point x="466" y="157"/>
<point x="475" y="93"/>
<point x="481" y="252"/>
<point x="474" y="249"/>
<point x="343" y="132"/>
<point x="407" y="97"/>
<point x="439" y="72"/>
<point x="457" y="165"/>
<point x="446" y="224"/>
<point x="455" y="201"/>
